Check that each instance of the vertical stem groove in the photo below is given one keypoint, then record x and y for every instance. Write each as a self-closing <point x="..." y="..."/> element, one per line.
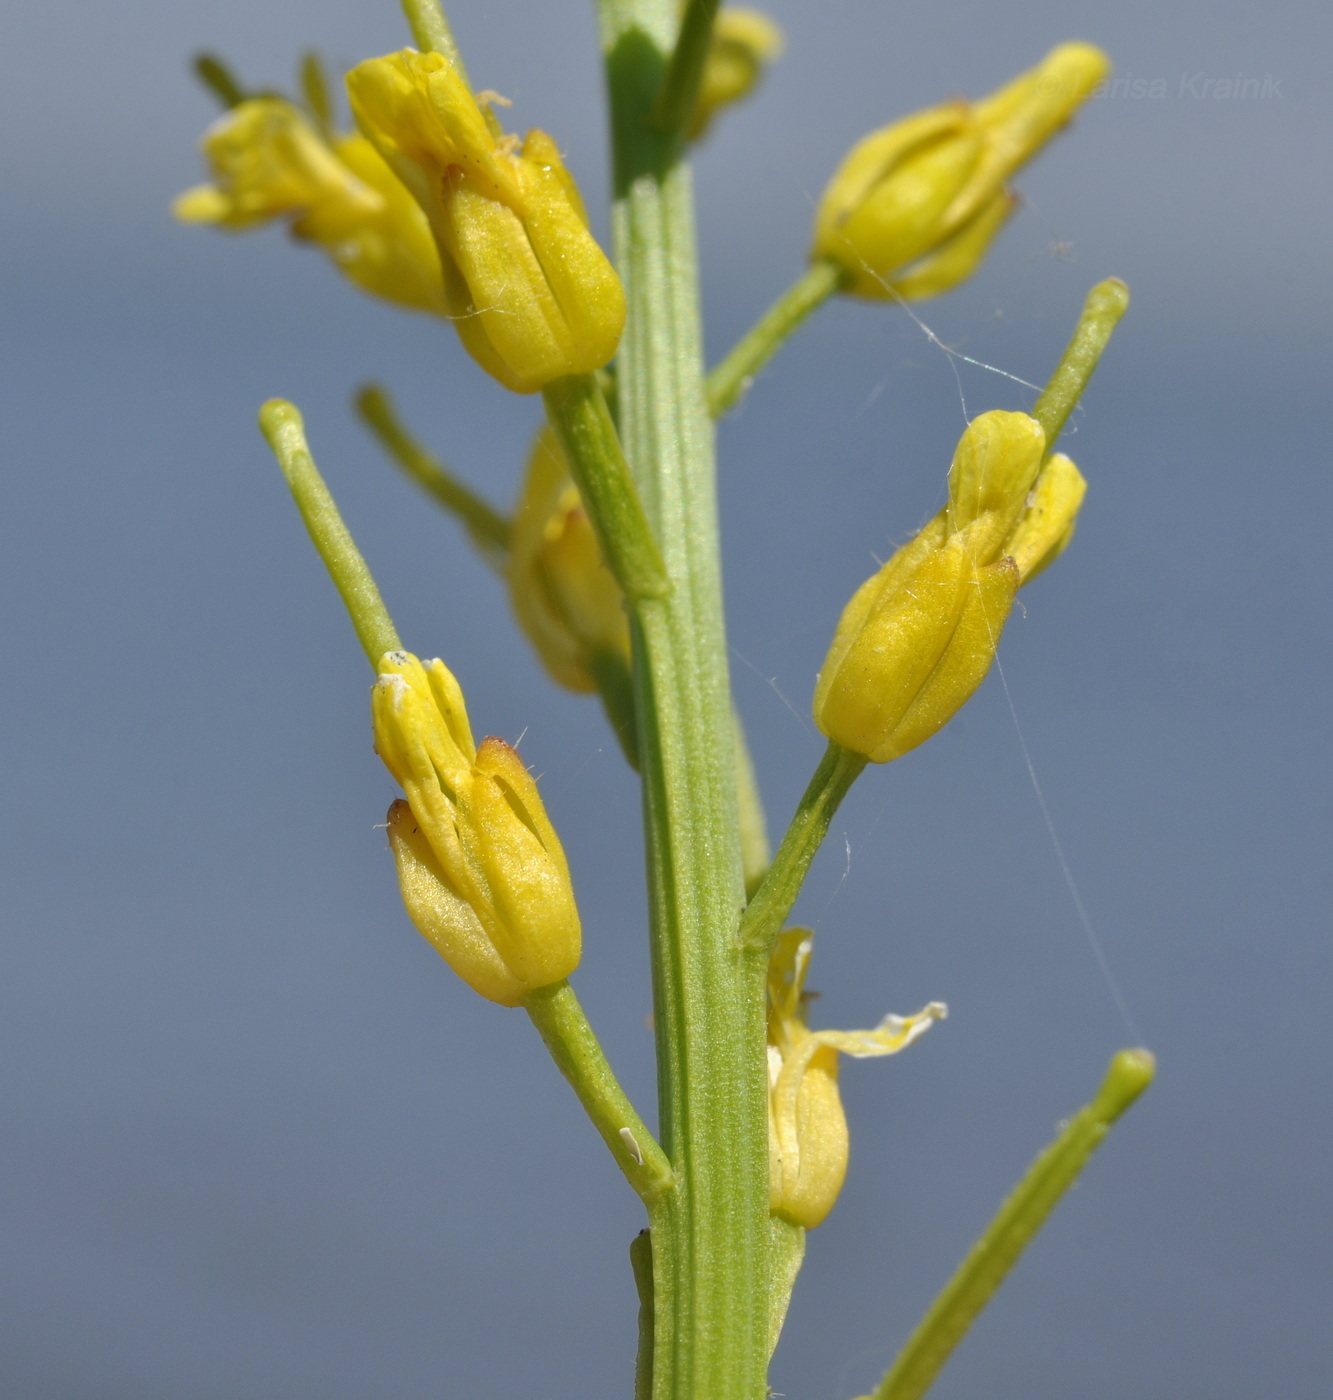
<point x="709" y="1237"/>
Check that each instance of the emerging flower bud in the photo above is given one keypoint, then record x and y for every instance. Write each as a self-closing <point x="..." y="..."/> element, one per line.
<point x="744" y="43"/>
<point x="913" y="208"/>
<point x="481" y="869"/>
<point x="268" y="162"/>
<point x="918" y="637"/>
<point x="532" y="295"/>
<point x="807" y="1129"/>
<point x="568" y="604"/>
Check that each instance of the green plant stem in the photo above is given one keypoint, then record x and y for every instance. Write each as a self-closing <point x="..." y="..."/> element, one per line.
<point x="641" y="1262"/>
<point x="282" y="425"/>
<point x="767" y="912"/>
<point x="734" y="375"/>
<point x="560" y="1022"/>
<point x="1018" y="1220"/>
<point x="710" y="1234"/>
<point x="431" y="31"/>
<point x="577" y="410"/>
<point x="679" y="93"/>
<point x="486" y="527"/>
<point x="1105" y="305"/>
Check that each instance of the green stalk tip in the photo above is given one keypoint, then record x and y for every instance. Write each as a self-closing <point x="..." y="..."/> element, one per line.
<point x="1103" y="307"/>
<point x="1129" y="1074"/>
<point x="283" y="427"/>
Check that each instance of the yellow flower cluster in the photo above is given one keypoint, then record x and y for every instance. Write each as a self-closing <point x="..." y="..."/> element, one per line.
<point x="807" y="1129"/>
<point x="918" y="637"/>
<point x="429" y="205"/>
<point x="481" y="869"/>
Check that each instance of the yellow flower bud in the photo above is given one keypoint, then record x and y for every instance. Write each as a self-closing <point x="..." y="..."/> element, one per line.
<point x="913" y="207"/>
<point x="807" y="1129"/>
<point x="532" y="295"/>
<point x="744" y="43"/>
<point x="268" y="162"/>
<point x="481" y="869"/>
<point x="570" y="607"/>
<point x="919" y="636"/>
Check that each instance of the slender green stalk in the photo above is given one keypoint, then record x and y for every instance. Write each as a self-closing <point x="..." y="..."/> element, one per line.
<point x="1018" y="1220"/>
<point x="282" y="425"/>
<point x="582" y="421"/>
<point x="710" y="1234"/>
<point x="1105" y="305"/>
<point x="756" y="854"/>
<point x="431" y="31"/>
<point x="560" y="1021"/>
<point x="767" y="911"/>
<point x="218" y="79"/>
<point x="641" y="1262"/>
<point x="679" y="93"/>
<point x="734" y="375"/>
<point x="486" y="527"/>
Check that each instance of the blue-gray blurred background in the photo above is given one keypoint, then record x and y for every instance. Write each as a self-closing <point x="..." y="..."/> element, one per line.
<point x="259" y="1142"/>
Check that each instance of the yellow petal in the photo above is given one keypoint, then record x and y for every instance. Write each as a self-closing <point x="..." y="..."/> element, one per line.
<point x="1045" y="530"/>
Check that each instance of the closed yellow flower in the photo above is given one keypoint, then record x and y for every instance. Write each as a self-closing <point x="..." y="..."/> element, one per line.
<point x="531" y="294"/>
<point x="914" y="206"/>
<point x="807" y="1128"/>
<point x="481" y="869"/>
<point x="919" y="635"/>
<point x="570" y="607"/>
<point x="268" y="162"/>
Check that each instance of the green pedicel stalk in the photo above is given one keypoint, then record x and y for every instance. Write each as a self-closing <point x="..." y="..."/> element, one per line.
<point x="767" y="912"/>
<point x="1105" y="304"/>
<point x="282" y="425"/>
<point x="729" y="380"/>
<point x="1018" y="1220"/>
<point x="578" y="412"/>
<point x="430" y="28"/>
<point x="710" y="1234"/>
<point x="560" y="1021"/>
<point x="486" y="527"/>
